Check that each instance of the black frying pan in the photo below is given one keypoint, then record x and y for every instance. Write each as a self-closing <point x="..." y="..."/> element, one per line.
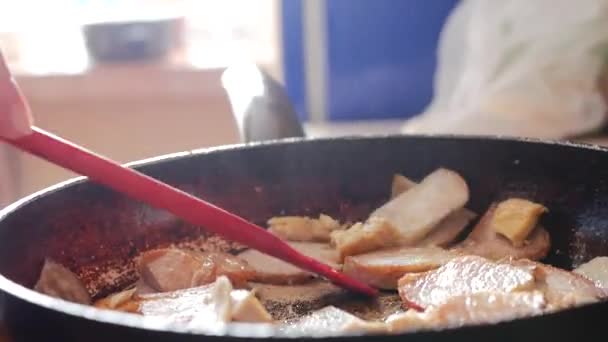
<point x="93" y="230"/>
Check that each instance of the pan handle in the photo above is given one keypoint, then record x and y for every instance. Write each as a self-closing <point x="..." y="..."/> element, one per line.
<point x="260" y="105"/>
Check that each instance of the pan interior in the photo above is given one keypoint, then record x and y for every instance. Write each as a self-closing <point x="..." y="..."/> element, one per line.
<point x="97" y="232"/>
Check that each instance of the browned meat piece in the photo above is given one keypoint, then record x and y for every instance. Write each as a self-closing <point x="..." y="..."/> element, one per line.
<point x="417" y="211"/>
<point x="274" y="271"/>
<point x="485" y="242"/>
<point x="121" y="301"/>
<point x="515" y="218"/>
<point x="57" y="281"/>
<point x="464" y="275"/>
<point x="300" y="228"/>
<point x="173" y="269"/>
<point x="329" y="321"/>
<point x="421" y="211"/>
<point x="383" y="268"/>
<point x="372" y="235"/>
<point x="141" y="288"/>
<point x="287" y="302"/>
<point x="448" y="229"/>
<point x="233" y="267"/>
<point x="320" y="251"/>
<point x="595" y="270"/>
<point x="170" y="269"/>
<point x="270" y="270"/>
<point x="477" y="308"/>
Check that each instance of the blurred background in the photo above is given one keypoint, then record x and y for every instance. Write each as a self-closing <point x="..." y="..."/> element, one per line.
<point x="133" y="92"/>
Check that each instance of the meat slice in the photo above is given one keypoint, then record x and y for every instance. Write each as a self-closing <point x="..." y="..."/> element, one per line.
<point x="300" y="228"/>
<point x="400" y="185"/>
<point x="564" y="289"/>
<point x="247" y="308"/>
<point x="484" y="241"/>
<point x="329" y="321"/>
<point x="288" y="302"/>
<point x="411" y="321"/>
<point x="383" y="268"/>
<point x="224" y="264"/>
<point x="595" y="270"/>
<point x="121" y="301"/>
<point x="409" y="217"/>
<point x="172" y="269"/>
<point x="141" y="287"/>
<point x="206" y="308"/>
<point x="448" y="230"/>
<point x="271" y="270"/>
<point x="320" y="251"/>
<point x="169" y="269"/>
<point x="57" y="281"/>
<point x="417" y="211"/>
<point x="376" y="233"/>
<point x="199" y="307"/>
<point x="464" y="275"/>
<point x="488" y="307"/>
<point x="477" y="308"/>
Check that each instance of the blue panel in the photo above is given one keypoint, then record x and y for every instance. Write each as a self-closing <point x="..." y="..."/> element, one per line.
<point x="382" y="56"/>
<point x="293" y="55"/>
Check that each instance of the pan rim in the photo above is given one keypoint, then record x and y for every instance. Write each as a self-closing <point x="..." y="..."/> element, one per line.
<point x="128" y="320"/>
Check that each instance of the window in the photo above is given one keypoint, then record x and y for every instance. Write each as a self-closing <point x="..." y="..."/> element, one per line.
<point x="45" y="36"/>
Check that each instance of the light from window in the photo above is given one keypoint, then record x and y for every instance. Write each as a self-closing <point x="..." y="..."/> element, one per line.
<point x="45" y="36"/>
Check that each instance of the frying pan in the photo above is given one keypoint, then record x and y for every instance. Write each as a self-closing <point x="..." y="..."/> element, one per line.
<point x="96" y="232"/>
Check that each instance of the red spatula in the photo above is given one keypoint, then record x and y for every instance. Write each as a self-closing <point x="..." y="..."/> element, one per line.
<point x="150" y="191"/>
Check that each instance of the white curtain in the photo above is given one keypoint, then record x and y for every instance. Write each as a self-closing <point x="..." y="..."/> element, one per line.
<point x="520" y="68"/>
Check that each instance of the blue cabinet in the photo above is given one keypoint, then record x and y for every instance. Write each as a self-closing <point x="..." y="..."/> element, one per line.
<point x="380" y="56"/>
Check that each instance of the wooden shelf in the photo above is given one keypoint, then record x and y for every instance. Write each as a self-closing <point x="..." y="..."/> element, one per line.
<point x="124" y="83"/>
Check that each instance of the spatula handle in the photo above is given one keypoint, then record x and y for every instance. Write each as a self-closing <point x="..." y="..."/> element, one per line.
<point x="181" y="204"/>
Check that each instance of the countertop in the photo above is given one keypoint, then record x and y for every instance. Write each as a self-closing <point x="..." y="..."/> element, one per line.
<point x="337" y="129"/>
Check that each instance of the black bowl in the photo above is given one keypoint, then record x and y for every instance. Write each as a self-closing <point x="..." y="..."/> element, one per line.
<point x="125" y="41"/>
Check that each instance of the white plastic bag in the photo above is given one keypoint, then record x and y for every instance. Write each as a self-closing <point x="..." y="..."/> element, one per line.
<point x="519" y="68"/>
